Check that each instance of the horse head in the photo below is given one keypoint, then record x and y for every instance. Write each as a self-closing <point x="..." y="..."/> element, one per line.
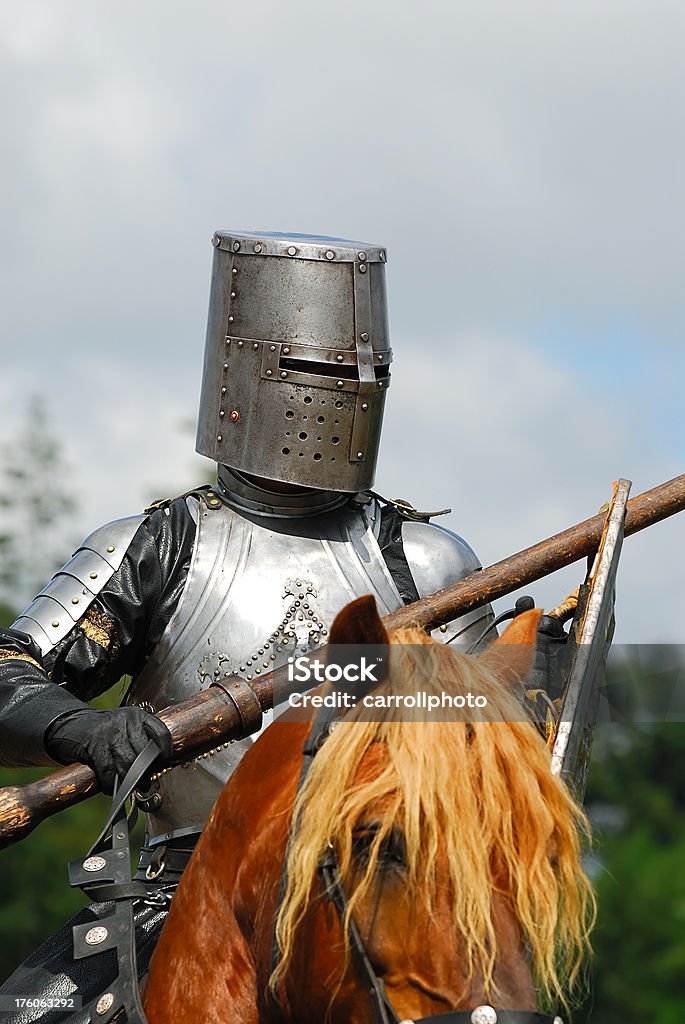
<point x="443" y="853"/>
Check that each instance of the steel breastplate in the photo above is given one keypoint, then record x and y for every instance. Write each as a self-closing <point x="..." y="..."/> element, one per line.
<point x="258" y="591"/>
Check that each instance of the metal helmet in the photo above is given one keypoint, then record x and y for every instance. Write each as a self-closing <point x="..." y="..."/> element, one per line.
<point x="297" y="359"/>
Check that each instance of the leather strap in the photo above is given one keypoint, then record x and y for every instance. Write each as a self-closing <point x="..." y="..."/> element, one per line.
<point x="313" y="742"/>
<point x="503" y="1017"/>
<point x="333" y="890"/>
<point x="105" y="874"/>
<point x="164" y="858"/>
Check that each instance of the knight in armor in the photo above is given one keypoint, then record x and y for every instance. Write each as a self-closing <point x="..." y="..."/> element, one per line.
<point x="228" y="579"/>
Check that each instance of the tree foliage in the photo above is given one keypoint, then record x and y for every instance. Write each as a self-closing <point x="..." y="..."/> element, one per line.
<point x="34" y="505"/>
<point x="36" y="508"/>
<point x="636" y="797"/>
<point x="35" y="898"/>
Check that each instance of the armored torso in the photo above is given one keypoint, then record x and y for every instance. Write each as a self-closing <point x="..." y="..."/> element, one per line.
<point x="259" y="589"/>
<point x="239" y="580"/>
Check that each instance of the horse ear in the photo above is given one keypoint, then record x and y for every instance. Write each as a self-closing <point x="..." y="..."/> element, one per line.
<point x="514" y="650"/>
<point x="358" y="623"/>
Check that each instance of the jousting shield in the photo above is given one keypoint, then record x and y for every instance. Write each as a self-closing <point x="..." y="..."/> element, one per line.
<point x="589" y="642"/>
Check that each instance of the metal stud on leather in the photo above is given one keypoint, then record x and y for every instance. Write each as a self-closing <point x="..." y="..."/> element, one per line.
<point x="484" y="1015"/>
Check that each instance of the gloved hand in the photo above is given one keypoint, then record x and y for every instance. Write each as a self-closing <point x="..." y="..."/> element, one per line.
<point x="551" y="631"/>
<point x="548" y="649"/>
<point x="107" y="741"/>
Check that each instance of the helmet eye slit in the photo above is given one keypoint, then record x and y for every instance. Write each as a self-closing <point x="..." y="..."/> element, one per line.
<point x="319" y="369"/>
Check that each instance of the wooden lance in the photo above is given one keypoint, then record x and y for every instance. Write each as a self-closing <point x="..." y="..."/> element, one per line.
<point x="226" y="712"/>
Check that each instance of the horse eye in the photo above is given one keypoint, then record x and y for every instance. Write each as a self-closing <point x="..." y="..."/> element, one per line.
<point x="392" y="852"/>
<point x="362" y="842"/>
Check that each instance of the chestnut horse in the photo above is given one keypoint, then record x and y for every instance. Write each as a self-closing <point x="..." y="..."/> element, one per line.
<point x="456" y="848"/>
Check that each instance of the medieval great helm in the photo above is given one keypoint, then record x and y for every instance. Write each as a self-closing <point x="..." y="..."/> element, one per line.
<point x="297" y="359"/>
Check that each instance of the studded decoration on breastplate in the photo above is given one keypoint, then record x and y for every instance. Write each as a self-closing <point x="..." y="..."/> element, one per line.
<point x="301" y="629"/>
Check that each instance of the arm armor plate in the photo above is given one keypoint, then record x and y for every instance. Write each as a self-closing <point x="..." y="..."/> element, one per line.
<point x="60" y="605"/>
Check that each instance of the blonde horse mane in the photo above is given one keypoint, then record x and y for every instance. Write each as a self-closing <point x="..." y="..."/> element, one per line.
<point x="470" y="799"/>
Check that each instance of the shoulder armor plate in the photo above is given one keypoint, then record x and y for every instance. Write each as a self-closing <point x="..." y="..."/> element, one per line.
<point x="437" y="557"/>
<point x="60" y="605"/>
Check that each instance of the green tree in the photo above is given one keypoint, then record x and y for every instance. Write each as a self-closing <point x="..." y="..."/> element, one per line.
<point x="35" y="504"/>
<point x="35" y="898"/>
<point x="636" y="796"/>
<point x="36" y="509"/>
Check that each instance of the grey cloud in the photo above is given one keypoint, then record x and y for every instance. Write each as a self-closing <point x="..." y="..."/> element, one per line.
<point x="522" y="162"/>
<point x="518" y="157"/>
<point x="521" y="450"/>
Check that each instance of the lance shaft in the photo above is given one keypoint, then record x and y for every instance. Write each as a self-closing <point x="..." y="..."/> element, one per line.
<point x="221" y="714"/>
<point x="540" y="560"/>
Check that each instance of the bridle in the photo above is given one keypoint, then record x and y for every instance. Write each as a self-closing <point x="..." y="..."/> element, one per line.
<point x="334" y="892"/>
<point x="382" y="1007"/>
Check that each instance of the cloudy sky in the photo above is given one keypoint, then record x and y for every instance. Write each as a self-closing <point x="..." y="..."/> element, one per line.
<point x="522" y="162"/>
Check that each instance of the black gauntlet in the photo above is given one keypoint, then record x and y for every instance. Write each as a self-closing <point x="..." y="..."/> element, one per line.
<point x="31" y="702"/>
<point x="548" y="668"/>
<point x="107" y="741"/>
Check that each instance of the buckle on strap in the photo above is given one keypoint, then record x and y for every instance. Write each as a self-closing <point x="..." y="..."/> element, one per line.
<point x="156" y="865"/>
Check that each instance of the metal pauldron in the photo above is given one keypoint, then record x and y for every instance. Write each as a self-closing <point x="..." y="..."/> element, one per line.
<point x="63" y="602"/>
<point x="437" y="557"/>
